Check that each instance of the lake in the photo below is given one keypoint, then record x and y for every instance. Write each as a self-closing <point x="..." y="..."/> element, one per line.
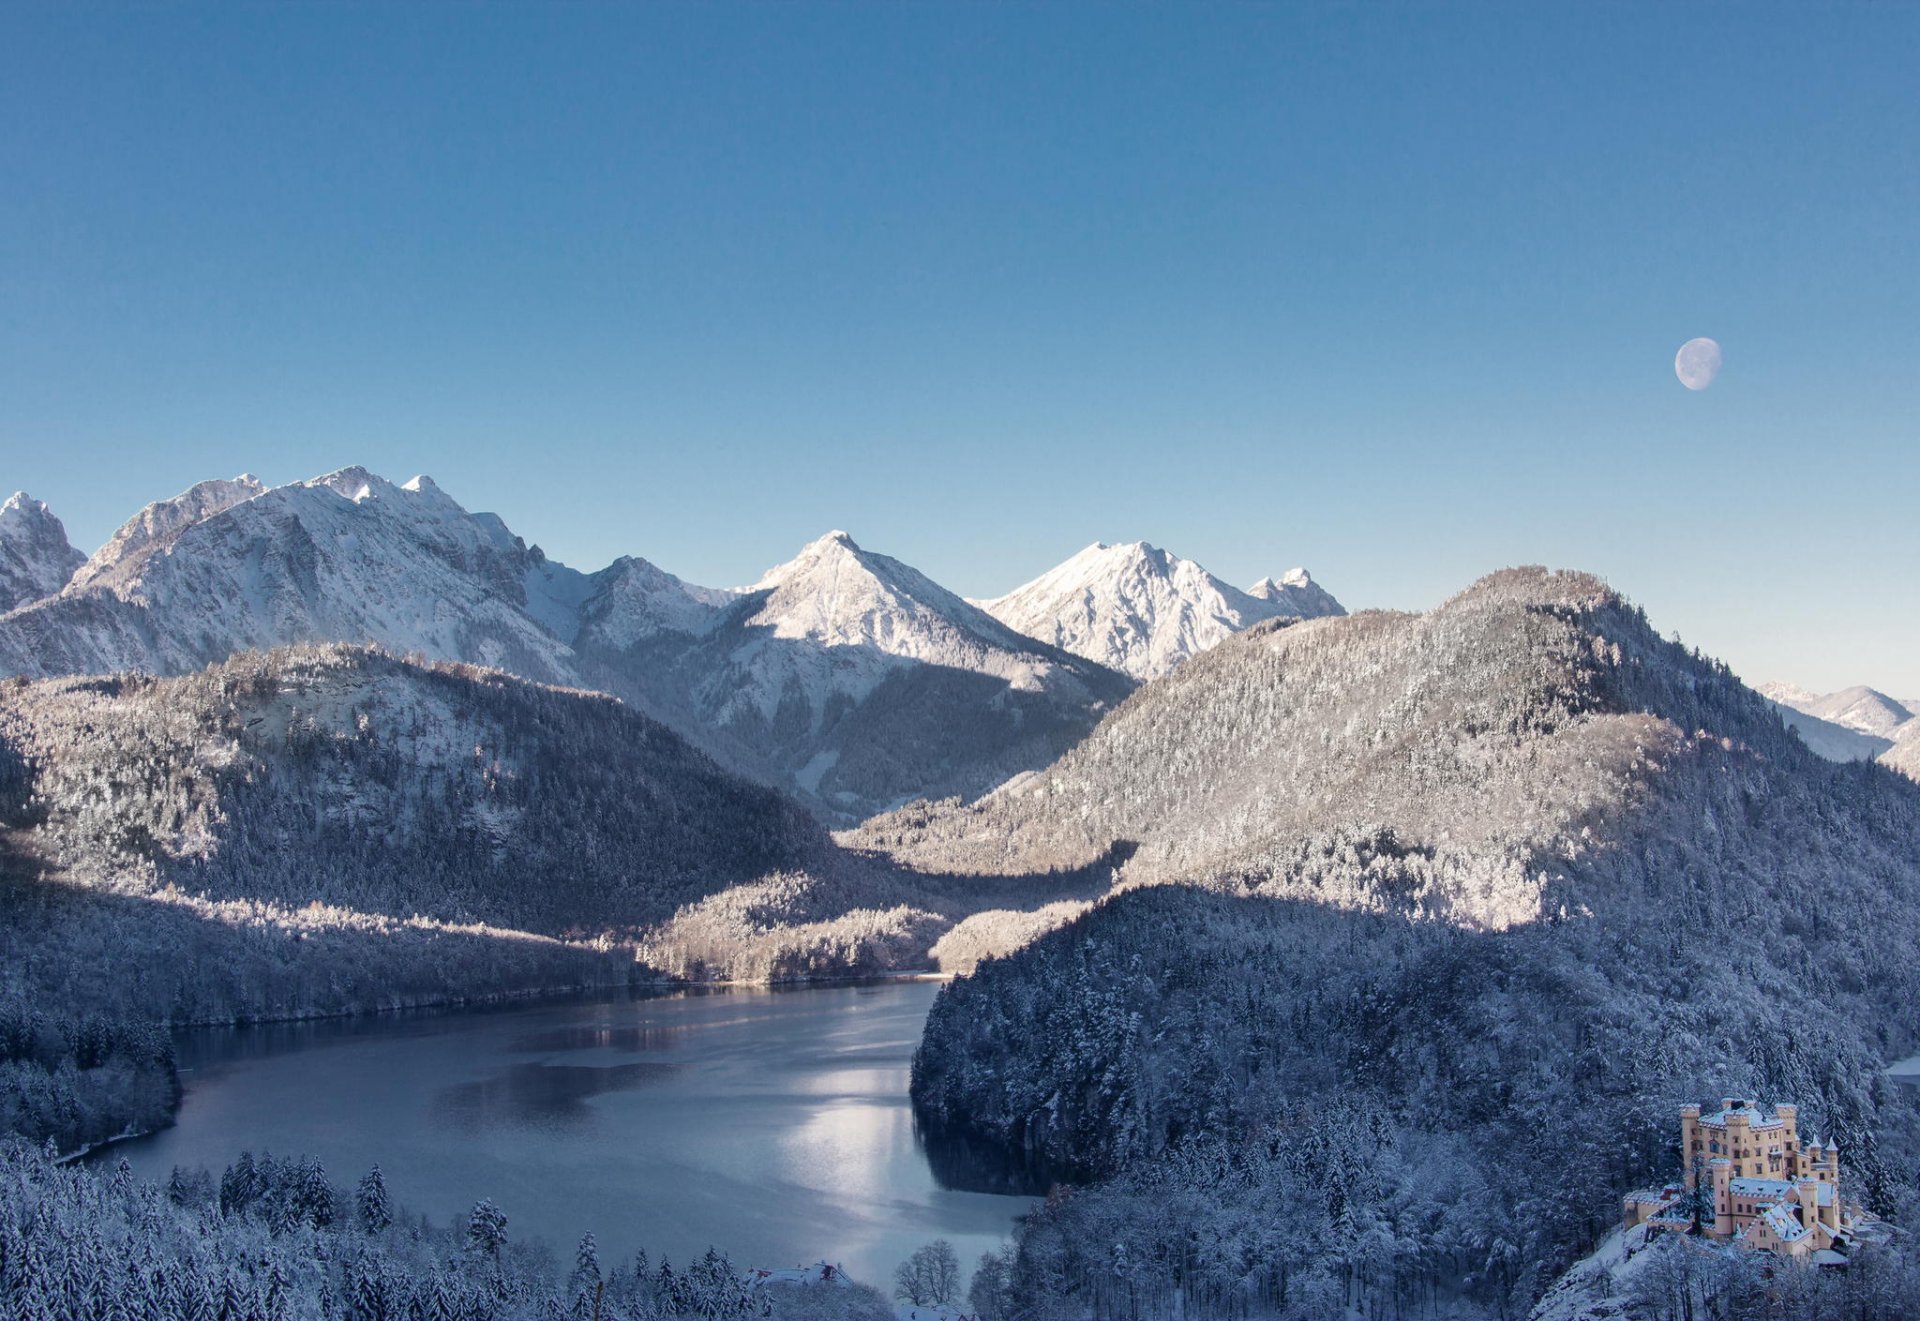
<point x="771" y="1124"/>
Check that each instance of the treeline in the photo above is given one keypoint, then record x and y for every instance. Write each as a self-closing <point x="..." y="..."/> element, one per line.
<point x="277" y="1240"/>
<point x="78" y="1082"/>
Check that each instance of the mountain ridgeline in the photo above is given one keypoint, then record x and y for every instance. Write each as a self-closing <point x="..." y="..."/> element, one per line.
<point x="1430" y="924"/>
<point x="841" y="677"/>
<point x="1854" y="724"/>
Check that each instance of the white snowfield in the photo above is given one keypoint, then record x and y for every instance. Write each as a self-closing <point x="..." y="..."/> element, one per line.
<point x="1137" y="609"/>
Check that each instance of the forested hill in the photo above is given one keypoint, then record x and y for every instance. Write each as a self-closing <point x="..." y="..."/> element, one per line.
<point x="1484" y="896"/>
<point x="345" y="777"/>
<point x="1456" y="764"/>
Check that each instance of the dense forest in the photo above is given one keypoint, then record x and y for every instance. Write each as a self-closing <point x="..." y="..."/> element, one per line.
<point x="1471" y="903"/>
<point x="278" y="1240"/>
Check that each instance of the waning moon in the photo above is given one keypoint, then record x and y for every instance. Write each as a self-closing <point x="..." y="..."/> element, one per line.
<point x="1697" y="363"/>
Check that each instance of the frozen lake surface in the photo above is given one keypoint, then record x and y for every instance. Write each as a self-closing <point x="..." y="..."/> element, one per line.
<point x="771" y="1124"/>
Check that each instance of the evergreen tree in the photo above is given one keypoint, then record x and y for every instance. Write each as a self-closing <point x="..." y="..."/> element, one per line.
<point x="486" y="1230"/>
<point x="372" y="1204"/>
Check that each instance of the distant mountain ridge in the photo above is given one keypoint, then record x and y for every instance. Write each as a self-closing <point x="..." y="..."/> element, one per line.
<point x="1854" y="724"/>
<point x="835" y="677"/>
<point x="1137" y="609"/>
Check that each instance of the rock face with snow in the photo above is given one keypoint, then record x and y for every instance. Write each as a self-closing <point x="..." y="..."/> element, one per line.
<point x="844" y="676"/>
<point x="857" y="680"/>
<point x="36" y="559"/>
<point x="349" y="557"/>
<point x="1137" y="609"/>
<point x="1296" y="593"/>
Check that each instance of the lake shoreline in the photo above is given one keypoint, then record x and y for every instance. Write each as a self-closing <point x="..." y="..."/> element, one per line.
<point x="647" y="989"/>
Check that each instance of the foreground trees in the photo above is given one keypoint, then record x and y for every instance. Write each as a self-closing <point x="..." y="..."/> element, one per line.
<point x="271" y="1242"/>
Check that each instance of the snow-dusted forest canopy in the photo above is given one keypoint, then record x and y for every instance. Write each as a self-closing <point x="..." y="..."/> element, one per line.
<point x="1473" y="902"/>
<point x="281" y="1240"/>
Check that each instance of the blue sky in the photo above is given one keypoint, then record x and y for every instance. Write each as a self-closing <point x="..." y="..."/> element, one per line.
<point x="1390" y="291"/>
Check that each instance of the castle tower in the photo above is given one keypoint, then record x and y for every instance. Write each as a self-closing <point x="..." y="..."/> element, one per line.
<point x="1809" y="1192"/>
<point x="1789" y="1116"/>
<point x="1689" y="1134"/>
<point x="1737" y="1139"/>
<point x="1720" y="1170"/>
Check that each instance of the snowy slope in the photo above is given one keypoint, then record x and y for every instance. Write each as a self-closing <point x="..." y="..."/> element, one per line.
<point x="1904" y="755"/>
<point x="860" y="682"/>
<point x="1854" y="724"/>
<point x="633" y="600"/>
<point x="154" y="528"/>
<point x="347" y="557"/>
<point x="36" y="559"/>
<point x="1859" y="708"/>
<point x="1140" y="610"/>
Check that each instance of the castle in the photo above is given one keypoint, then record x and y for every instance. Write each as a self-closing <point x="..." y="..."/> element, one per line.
<point x="1750" y="1182"/>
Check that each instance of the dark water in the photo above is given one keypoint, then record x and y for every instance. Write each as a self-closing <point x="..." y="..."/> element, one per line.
<point x="773" y="1125"/>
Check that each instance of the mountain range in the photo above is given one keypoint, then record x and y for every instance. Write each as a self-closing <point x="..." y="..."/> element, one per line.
<point x="843" y="676"/>
<point x="1137" y="609"/>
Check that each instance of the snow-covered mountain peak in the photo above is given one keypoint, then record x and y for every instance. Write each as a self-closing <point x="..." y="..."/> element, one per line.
<point x="353" y="483"/>
<point x="36" y="559"/>
<point x="634" y="600"/>
<point x="1140" y="609"/>
<point x="1296" y="594"/>
<point x="838" y="593"/>
<point x="1267" y="588"/>
<point x="155" y="527"/>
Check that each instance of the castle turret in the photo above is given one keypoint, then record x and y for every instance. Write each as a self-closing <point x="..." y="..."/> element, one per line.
<point x="1689" y="1145"/>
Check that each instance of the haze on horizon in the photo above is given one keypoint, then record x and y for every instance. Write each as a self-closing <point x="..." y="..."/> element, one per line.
<point x="1394" y="294"/>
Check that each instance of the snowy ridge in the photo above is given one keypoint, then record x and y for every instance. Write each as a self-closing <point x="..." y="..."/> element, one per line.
<point x="1854" y="724"/>
<point x="346" y="557"/>
<point x="1296" y="593"/>
<point x="838" y="671"/>
<point x="155" y="527"/>
<point x="1142" y="611"/>
<point x="833" y="677"/>
<point x="36" y="560"/>
<point x="633" y="600"/>
<point x="1865" y="710"/>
